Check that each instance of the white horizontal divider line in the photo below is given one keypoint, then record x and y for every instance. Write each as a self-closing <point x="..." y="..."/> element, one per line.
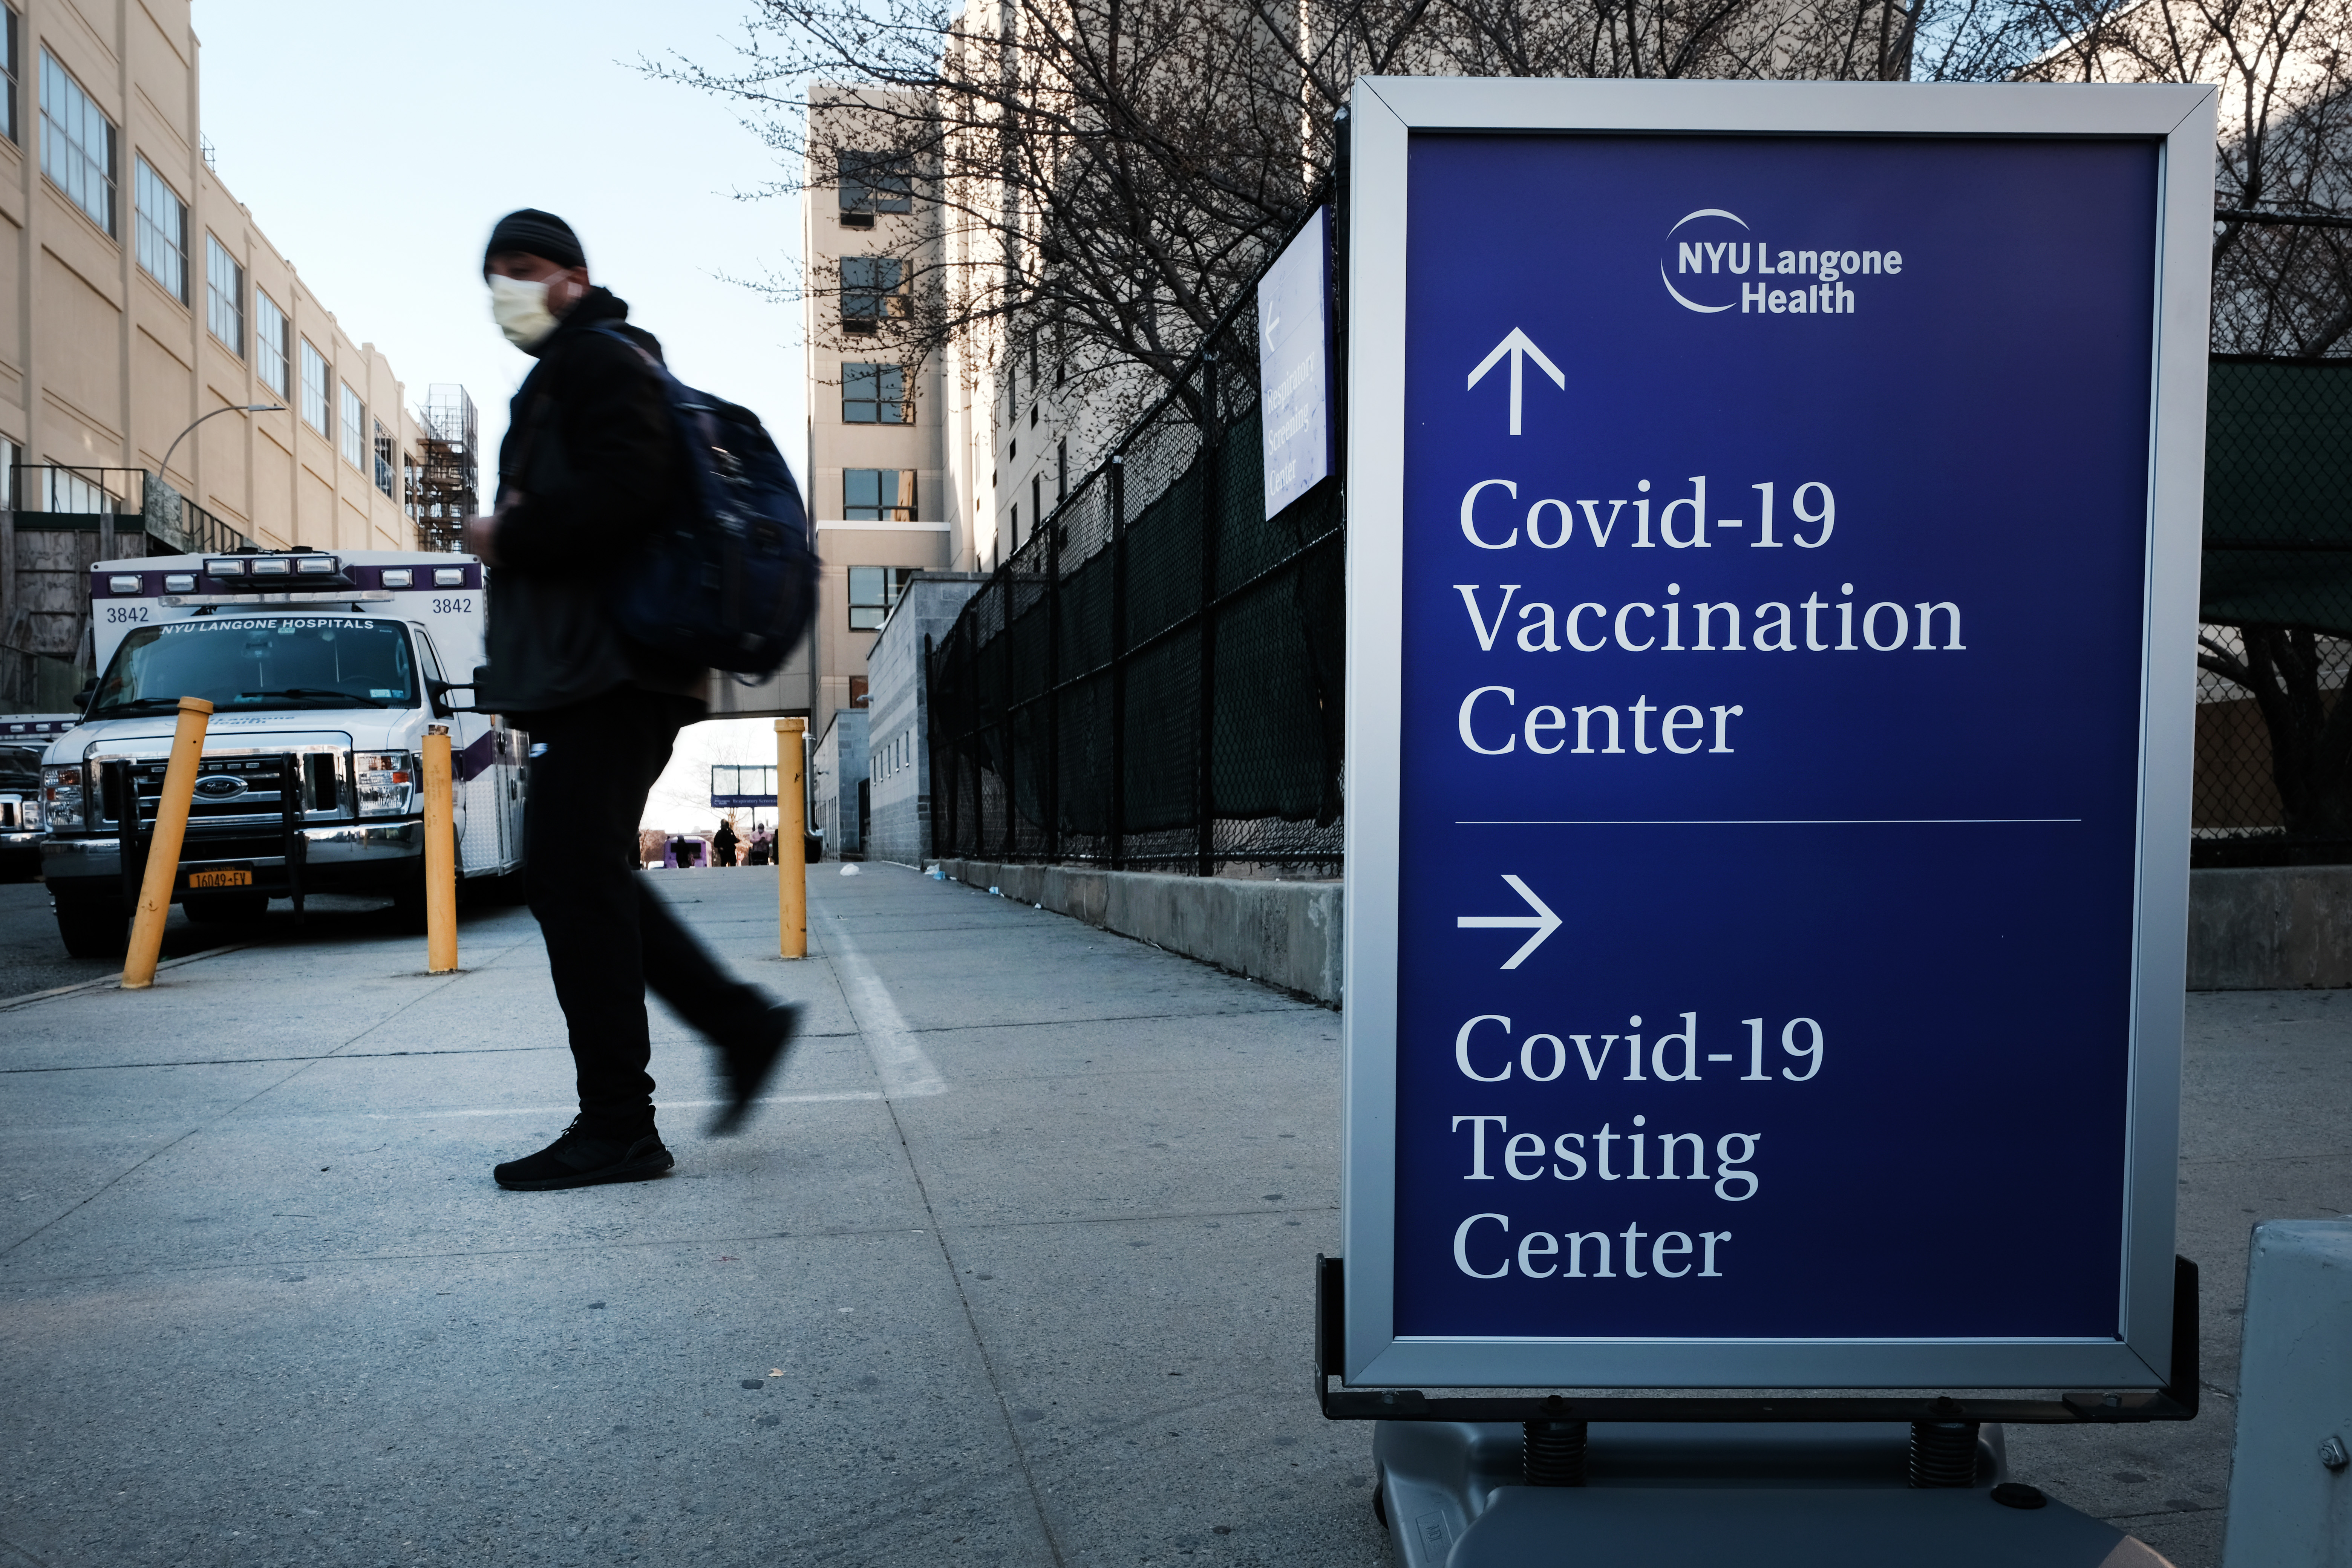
<point x="907" y="1070"/>
<point x="1763" y="821"/>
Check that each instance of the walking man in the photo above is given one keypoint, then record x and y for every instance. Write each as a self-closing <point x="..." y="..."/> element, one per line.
<point x="589" y="467"/>
<point x="722" y="843"/>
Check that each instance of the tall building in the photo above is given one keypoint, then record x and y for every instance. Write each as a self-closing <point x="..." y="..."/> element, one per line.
<point x="137" y="296"/>
<point x="879" y="496"/>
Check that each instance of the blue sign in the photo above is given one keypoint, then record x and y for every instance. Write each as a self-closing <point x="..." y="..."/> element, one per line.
<point x="1774" y="603"/>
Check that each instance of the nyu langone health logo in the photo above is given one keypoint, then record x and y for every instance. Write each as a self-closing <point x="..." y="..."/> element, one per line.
<point x="1712" y="251"/>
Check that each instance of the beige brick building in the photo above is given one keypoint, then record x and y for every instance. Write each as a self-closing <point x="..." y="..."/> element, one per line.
<point x="137" y="295"/>
<point x="879" y="493"/>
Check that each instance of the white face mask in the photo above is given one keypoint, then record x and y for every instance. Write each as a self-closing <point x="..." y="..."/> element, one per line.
<point x="520" y="310"/>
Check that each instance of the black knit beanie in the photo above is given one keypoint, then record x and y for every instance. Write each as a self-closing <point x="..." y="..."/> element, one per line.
<point x="535" y="233"/>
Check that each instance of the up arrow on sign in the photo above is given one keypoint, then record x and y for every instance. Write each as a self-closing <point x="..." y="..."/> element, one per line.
<point x="1544" y="921"/>
<point x="1520" y="349"/>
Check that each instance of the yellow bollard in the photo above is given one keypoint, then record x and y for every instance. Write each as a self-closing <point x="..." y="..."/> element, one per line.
<point x="163" y="852"/>
<point x="791" y="842"/>
<point x="440" y="854"/>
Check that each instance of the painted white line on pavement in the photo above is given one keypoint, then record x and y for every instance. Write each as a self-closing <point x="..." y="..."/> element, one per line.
<point x="658" y="1105"/>
<point x="906" y="1069"/>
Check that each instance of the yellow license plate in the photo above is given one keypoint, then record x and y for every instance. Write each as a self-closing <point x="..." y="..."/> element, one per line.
<point x="236" y="876"/>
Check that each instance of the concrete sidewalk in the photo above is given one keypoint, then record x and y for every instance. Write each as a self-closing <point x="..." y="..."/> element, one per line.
<point x="1048" y="1304"/>
<point x="1015" y="1270"/>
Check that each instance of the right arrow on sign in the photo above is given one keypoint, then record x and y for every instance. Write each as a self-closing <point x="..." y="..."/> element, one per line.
<point x="1543" y="920"/>
<point x="1521" y="349"/>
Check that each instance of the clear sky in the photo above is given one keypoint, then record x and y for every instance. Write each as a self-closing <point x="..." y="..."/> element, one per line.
<point x="377" y="143"/>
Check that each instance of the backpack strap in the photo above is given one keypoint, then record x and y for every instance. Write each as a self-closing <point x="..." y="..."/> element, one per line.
<point x="612" y="330"/>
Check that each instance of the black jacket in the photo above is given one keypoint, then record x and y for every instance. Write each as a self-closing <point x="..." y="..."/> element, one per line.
<point x="590" y="454"/>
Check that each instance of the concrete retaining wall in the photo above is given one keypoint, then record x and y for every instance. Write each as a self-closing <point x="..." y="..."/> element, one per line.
<point x="1283" y="933"/>
<point x="2270" y="928"/>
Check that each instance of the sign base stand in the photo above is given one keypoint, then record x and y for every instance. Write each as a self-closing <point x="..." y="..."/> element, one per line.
<point x="1827" y="1495"/>
<point x="1479" y="1481"/>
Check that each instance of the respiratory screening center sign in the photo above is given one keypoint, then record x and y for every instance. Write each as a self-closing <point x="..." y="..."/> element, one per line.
<point x="1768" y="813"/>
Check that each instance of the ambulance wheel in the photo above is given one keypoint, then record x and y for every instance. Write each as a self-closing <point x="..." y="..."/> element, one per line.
<point x="97" y="928"/>
<point x="408" y="908"/>
<point x="226" y="909"/>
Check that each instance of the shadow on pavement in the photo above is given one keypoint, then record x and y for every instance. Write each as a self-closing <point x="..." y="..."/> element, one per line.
<point x="32" y="958"/>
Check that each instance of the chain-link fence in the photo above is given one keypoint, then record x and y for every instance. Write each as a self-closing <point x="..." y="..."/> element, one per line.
<point x="2273" y="734"/>
<point x="1154" y="679"/>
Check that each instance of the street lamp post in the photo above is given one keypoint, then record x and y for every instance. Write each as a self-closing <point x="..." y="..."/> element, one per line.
<point x="165" y="467"/>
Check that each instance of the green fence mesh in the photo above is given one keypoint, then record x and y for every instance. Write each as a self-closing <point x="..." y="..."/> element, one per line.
<point x="2273" y="737"/>
<point x="1154" y="679"/>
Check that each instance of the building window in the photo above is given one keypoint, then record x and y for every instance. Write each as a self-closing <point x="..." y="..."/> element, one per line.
<point x="354" y="429"/>
<point x="76" y="145"/>
<point x="873" y="182"/>
<point x="386" y="475"/>
<point x="1037" y="497"/>
<point x="314" y="387"/>
<point x="8" y="70"/>
<point x="874" y="289"/>
<point x="1061" y="472"/>
<point x="225" y="295"/>
<point x="269" y="336"/>
<point x="162" y="233"/>
<point x="878" y="495"/>
<point x="872" y="590"/>
<point x="1012" y="532"/>
<point x="875" y="395"/>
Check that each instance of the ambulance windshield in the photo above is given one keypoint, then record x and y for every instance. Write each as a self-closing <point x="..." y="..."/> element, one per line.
<point x="246" y="666"/>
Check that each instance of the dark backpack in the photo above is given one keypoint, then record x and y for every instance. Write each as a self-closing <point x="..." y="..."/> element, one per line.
<point x="730" y="579"/>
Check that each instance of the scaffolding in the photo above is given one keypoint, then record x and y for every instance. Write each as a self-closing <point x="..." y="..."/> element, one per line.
<point x="444" y="486"/>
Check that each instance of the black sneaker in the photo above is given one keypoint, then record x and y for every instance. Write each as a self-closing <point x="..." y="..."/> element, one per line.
<point x="751" y="1061"/>
<point x="583" y="1158"/>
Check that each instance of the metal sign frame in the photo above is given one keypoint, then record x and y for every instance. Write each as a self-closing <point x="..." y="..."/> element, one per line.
<point x="723" y="800"/>
<point x="1386" y="113"/>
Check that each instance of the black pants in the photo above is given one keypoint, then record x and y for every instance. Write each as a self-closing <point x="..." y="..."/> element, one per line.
<point x="608" y="933"/>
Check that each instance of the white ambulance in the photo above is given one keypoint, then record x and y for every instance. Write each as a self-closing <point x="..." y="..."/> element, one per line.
<point x="23" y="738"/>
<point x="323" y="668"/>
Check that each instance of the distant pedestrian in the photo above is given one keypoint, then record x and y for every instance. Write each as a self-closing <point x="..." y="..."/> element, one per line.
<point x="589" y="467"/>
<point x="724" y="844"/>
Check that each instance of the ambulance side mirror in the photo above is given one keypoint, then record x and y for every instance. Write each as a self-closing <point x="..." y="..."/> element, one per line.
<point x="83" y="698"/>
<point x="439" y="689"/>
